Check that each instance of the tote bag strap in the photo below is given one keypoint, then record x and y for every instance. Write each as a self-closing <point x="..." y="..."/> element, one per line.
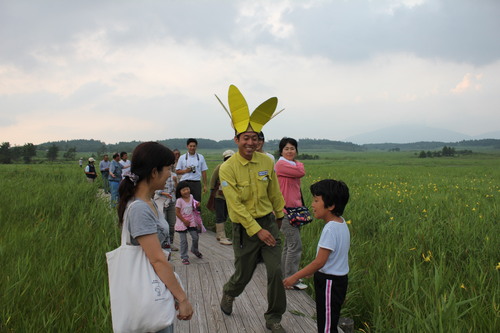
<point x="125" y="232"/>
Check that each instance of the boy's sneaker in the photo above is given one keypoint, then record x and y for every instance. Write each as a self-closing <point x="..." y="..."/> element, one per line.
<point x="275" y="328"/>
<point x="198" y="254"/>
<point x="185" y="261"/>
<point x="226" y="304"/>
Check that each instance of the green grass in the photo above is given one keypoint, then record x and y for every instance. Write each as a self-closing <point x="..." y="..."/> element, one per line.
<point x="424" y="244"/>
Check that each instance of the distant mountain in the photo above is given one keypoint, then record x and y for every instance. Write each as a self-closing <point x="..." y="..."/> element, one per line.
<point x="489" y="135"/>
<point x="408" y="134"/>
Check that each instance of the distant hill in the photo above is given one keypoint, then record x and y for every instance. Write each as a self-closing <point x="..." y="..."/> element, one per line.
<point x="408" y="134"/>
<point x="91" y="145"/>
<point x="434" y="145"/>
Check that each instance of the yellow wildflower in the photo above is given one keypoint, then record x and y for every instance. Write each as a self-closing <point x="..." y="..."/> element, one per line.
<point x="427" y="258"/>
<point x="498" y="266"/>
<point x="463" y="286"/>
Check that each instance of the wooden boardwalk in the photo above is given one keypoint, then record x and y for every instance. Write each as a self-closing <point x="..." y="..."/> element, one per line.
<point x="203" y="280"/>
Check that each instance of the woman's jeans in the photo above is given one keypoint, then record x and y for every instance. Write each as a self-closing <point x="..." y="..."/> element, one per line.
<point x="292" y="248"/>
<point x="114" y="185"/>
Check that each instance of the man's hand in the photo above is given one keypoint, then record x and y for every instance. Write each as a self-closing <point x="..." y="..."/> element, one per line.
<point x="266" y="237"/>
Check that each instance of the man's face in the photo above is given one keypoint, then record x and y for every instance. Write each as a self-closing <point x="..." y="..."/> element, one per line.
<point x="124" y="157"/>
<point x="247" y="144"/>
<point x="106" y="157"/>
<point x="177" y="154"/>
<point x="191" y="148"/>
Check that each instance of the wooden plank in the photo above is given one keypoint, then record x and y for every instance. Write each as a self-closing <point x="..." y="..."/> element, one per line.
<point x="211" y="300"/>
<point x="222" y="273"/>
<point x="204" y="280"/>
<point x="182" y="325"/>
<point x="198" y="321"/>
<point x="248" y="307"/>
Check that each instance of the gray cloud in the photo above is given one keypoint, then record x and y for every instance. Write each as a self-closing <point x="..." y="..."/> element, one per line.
<point x="462" y="31"/>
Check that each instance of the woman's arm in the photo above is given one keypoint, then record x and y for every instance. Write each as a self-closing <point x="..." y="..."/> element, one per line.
<point x="285" y="169"/>
<point x="151" y="246"/>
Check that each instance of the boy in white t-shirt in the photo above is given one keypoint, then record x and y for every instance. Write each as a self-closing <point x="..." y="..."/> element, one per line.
<point x="330" y="267"/>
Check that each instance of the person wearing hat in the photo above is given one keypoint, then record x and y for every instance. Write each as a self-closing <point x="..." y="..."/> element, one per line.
<point x="90" y="171"/>
<point x="221" y="213"/>
<point x="252" y="194"/>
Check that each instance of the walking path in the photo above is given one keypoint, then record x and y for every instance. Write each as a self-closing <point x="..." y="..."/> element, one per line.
<point x="203" y="280"/>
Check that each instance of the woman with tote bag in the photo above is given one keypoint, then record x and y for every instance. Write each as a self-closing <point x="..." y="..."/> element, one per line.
<point x="148" y="229"/>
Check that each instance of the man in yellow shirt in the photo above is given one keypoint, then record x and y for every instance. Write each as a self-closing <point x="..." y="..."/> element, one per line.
<point x="252" y="194"/>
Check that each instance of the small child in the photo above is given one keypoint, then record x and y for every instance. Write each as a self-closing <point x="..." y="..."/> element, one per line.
<point x="187" y="220"/>
<point x="330" y="267"/>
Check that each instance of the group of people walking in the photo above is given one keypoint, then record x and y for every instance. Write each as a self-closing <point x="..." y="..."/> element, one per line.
<point x="252" y="191"/>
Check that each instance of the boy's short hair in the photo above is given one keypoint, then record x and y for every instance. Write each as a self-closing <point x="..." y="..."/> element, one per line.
<point x="115" y="155"/>
<point x="334" y="193"/>
<point x="191" y="140"/>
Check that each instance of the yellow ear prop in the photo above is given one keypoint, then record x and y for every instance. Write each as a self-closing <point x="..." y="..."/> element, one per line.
<point x="240" y="115"/>
<point x="263" y="114"/>
<point x="239" y="109"/>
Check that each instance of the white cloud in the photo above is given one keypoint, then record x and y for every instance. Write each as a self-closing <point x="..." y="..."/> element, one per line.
<point x="468" y="83"/>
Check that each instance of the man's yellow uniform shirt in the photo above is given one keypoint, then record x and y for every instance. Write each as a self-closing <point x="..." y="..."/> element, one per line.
<point x="251" y="189"/>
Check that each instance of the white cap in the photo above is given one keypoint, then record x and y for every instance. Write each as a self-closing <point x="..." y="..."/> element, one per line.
<point x="228" y="153"/>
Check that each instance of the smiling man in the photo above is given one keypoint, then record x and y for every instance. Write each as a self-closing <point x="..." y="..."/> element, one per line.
<point x="193" y="169"/>
<point x="255" y="205"/>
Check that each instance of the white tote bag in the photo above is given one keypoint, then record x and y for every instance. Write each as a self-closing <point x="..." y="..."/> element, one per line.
<point x="140" y="301"/>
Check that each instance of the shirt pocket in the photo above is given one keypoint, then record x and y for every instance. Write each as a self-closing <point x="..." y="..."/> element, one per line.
<point x="244" y="190"/>
<point x="262" y="184"/>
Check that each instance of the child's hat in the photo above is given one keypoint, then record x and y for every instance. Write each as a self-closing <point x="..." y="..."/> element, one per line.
<point x="240" y="116"/>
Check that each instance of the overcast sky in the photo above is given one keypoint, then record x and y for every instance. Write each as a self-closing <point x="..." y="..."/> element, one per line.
<point x="148" y="70"/>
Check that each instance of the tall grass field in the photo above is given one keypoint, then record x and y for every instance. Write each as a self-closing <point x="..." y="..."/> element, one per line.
<point x="425" y="244"/>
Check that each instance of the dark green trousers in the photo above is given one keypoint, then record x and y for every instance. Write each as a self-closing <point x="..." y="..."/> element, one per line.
<point x="247" y="251"/>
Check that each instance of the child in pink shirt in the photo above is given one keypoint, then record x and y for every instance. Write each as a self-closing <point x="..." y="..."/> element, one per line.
<point x="188" y="220"/>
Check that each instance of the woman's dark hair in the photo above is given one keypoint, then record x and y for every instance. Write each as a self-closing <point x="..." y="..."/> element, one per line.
<point x="179" y="187"/>
<point x="147" y="156"/>
<point x="333" y="192"/>
<point x="284" y="142"/>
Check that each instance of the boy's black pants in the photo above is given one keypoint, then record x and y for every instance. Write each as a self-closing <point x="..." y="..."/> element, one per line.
<point x="330" y="294"/>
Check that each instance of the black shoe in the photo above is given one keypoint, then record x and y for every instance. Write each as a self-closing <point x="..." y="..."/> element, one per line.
<point x="226" y="304"/>
<point x="275" y="328"/>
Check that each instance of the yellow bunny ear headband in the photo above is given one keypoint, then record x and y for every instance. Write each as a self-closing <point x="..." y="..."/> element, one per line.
<point x="240" y="116"/>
